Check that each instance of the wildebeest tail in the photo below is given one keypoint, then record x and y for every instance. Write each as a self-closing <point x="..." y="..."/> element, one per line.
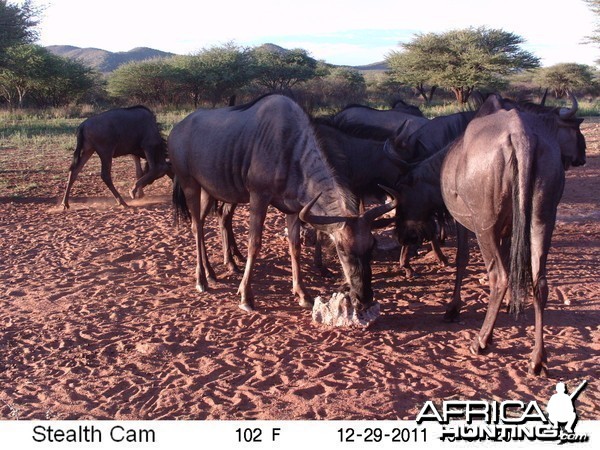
<point x="523" y="167"/>
<point x="181" y="212"/>
<point x="77" y="152"/>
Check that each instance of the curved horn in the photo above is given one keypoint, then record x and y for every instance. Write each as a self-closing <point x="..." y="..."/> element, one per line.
<point x="395" y="157"/>
<point x="543" y="102"/>
<point x="565" y="113"/>
<point x="306" y="216"/>
<point x="377" y="211"/>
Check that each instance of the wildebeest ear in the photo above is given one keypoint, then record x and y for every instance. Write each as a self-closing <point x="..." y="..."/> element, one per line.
<point x="492" y="104"/>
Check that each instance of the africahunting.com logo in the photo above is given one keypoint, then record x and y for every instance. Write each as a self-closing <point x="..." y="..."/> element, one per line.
<point x="510" y="420"/>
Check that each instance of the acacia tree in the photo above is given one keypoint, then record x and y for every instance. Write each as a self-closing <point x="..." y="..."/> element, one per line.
<point x="594" y="6"/>
<point x="216" y="73"/>
<point x="461" y="60"/>
<point x="278" y="69"/>
<point x="21" y="71"/>
<point x="150" y="82"/>
<point x="411" y="67"/>
<point x="335" y="87"/>
<point x="17" y="25"/>
<point x="32" y="71"/>
<point x="564" y="77"/>
<point x="62" y="81"/>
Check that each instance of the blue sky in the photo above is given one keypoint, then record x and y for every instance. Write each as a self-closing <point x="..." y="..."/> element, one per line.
<point x="351" y="32"/>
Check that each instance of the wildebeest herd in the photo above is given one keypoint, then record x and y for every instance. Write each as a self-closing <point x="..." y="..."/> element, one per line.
<point x="497" y="171"/>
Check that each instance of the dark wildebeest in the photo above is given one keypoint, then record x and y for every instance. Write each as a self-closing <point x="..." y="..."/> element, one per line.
<point x="266" y="153"/>
<point x="365" y="165"/>
<point x="379" y="124"/>
<point x="503" y="180"/>
<point x="431" y="137"/>
<point x="401" y="105"/>
<point x="117" y="132"/>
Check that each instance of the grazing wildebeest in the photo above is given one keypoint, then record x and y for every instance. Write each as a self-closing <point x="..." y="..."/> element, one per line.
<point x="266" y="153"/>
<point x="379" y="124"/>
<point x="117" y="132"/>
<point x="366" y="165"/>
<point x="503" y="180"/>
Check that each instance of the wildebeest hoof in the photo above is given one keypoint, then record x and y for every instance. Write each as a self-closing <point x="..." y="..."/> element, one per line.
<point x="65" y="206"/>
<point x="246" y="307"/>
<point x="451" y="316"/>
<point x="212" y="278"/>
<point x="232" y="268"/>
<point x="307" y="303"/>
<point x="539" y="369"/>
<point x="410" y="274"/>
<point x="476" y="347"/>
<point x="202" y="288"/>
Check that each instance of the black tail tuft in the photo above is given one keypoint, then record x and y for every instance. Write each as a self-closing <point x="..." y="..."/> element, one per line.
<point x="520" y="276"/>
<point x="181" y="212"/>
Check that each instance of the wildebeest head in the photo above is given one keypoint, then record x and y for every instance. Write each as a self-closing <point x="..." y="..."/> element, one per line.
<point x="419" y="197"/>
<point x="354" y="243"/>
<point x="570" y="139"/>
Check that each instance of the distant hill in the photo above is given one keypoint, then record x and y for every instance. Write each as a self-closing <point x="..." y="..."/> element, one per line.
<point x="103" y="60"/>
<point x="378" y="67"/>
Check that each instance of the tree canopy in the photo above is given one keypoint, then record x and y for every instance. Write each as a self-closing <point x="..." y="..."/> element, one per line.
<point x="280" y="70"/>
<point x="594" y="6"/>
<point x="565" y="77"/>
<point x="17" y="25"/>
<point x="460" y="60"/>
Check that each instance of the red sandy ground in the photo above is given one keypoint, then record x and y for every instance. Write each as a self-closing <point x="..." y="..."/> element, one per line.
<point x="99" y="318"/>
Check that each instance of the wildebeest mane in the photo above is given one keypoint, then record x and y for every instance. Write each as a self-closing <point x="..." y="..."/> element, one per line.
<point x="335" y="157"/>
<point x="250" y="104"/>
<point x="358" y="105"/>
<point x="141" y="107"/>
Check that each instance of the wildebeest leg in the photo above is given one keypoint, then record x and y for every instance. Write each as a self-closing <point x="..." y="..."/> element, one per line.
<point x="258" y="211"/>
<point x="293" y="226"/>
<point x="154" y="171"/>
<point x="192" y="198"/>
<point x="230" y="249"/>
<point x="139" y="173"/>
<point x="206" y="204"/>
<point x="73" y="172"/>
<point x="495" y="256"/>
<point x="462" y="259"/>
<point x="318" y="255"/>
<point x="540" y="245"/>
<point x="105" y="174"/>
<point x="437" y="251"/>
<point x="409" y="273"/>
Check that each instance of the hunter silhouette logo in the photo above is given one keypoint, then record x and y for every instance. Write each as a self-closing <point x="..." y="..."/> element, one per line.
<point x="561" y="409"/>
<point x="508" y="420"/>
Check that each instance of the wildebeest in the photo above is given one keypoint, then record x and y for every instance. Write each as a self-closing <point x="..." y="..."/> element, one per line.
<point x="503" y="180"/>
<point x="431" y="137"/>
<point x="378" y="124"/>
<point x="117" y="132"/>
<point x="366" y="165"/>
<point x="401" y="105"/>
<point x="265" y="153"/>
